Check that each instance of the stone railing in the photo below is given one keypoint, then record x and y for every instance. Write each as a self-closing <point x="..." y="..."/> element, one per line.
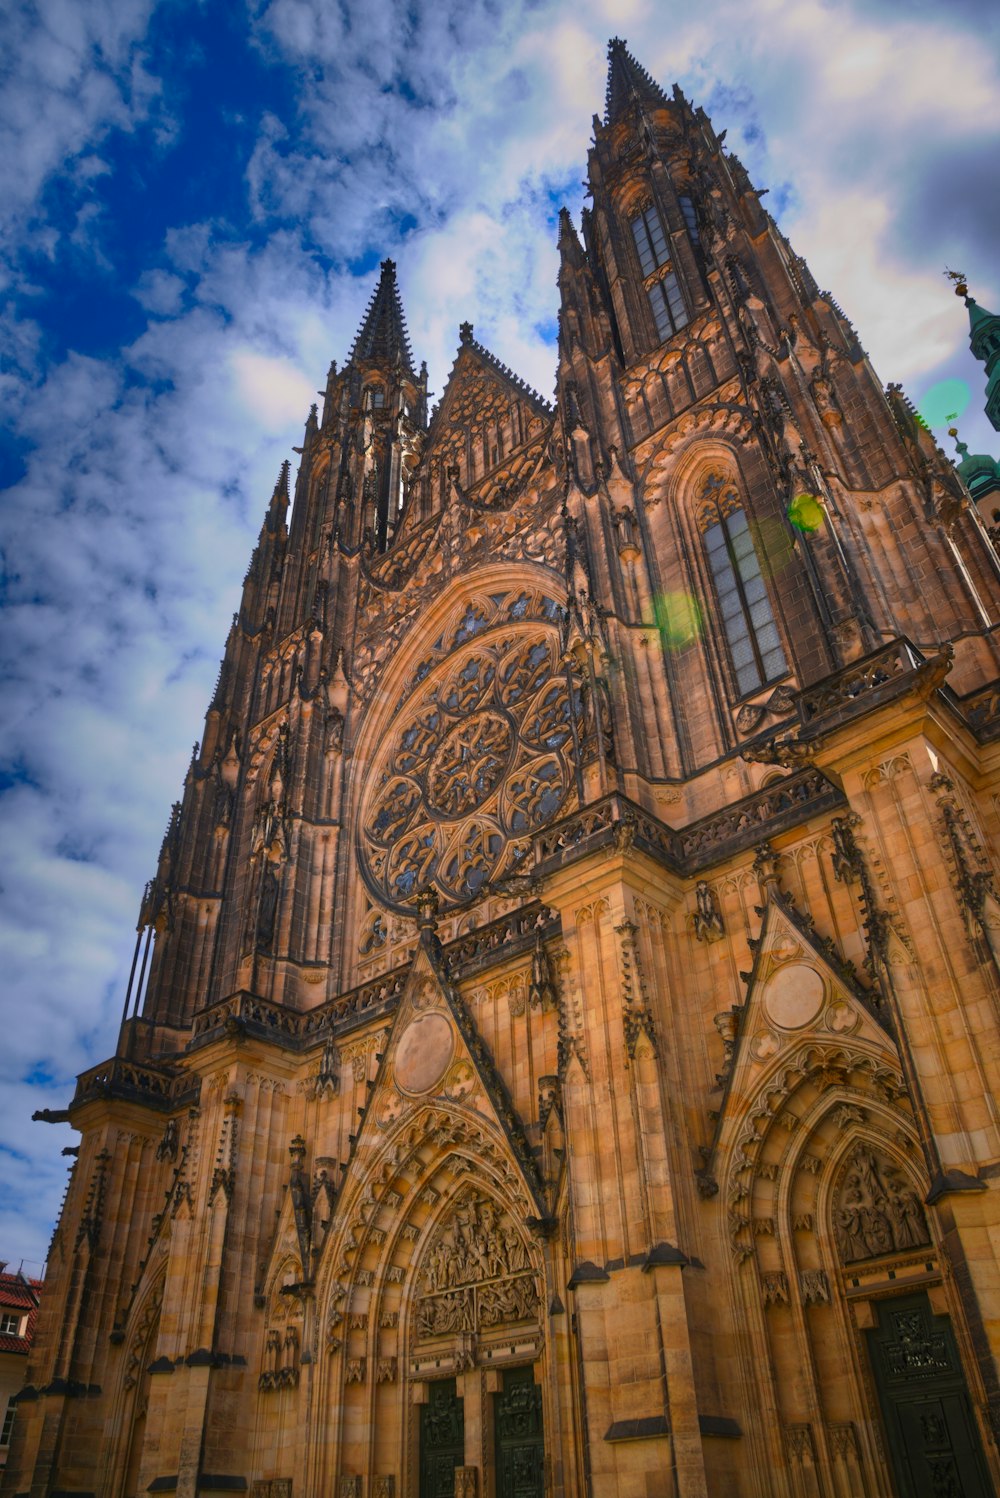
<point x="510" y="934"/>
<point x="249" y="1012"/>
<point x="688" y="850"/>
<point x="378" y="996"/>
<point x="298" y="1030"/>
<point x="852" y="688"/>
<point x="756" y="818"/>
<point x="153" y="1086"/>
<point x="981" y="710"/>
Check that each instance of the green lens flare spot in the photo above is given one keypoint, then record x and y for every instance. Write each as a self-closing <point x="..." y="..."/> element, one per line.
<point x="678" y="618"/>
<point x="806" y="513"/>
<point x="943" y="402"/>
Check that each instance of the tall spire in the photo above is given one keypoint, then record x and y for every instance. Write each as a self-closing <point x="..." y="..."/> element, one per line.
<point x="382" y="336"/>
<point x="628" y="80"/>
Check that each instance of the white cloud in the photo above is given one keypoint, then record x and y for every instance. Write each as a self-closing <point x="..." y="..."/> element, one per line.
<point x="444" y="135"/>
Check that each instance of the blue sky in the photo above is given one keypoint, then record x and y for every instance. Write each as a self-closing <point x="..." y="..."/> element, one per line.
<point x="196" y="199"/>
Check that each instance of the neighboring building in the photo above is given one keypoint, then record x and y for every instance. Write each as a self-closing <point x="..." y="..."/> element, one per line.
<point x="981" y="473"/>
<point x="18" y="1312"/>
<point x="567" y="1056"/>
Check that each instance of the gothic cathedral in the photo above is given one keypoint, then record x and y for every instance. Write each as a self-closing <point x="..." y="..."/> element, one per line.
<point x="562" y="1055"/>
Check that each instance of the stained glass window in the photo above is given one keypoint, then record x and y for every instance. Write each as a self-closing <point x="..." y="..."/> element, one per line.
<point x="747" y="620"/>
<point x="666" y="301"/>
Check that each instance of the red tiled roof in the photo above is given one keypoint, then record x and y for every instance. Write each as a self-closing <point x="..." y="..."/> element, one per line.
<point x="18" y="1293"/>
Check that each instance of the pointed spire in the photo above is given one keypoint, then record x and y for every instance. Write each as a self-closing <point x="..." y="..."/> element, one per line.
<point x="570" y="248"/>
<point x="382" y="337"/>
<point x="280" y="499"/>
<point x="628" y="80"/>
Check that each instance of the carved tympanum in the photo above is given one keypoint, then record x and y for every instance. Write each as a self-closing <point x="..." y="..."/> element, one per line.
<point x="476" y="1273"/>
<point x="876" y="1210"/>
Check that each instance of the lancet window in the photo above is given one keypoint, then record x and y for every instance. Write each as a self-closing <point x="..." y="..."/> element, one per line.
<point x="690" y="218"/>
<point x="751" y="634"/>
<point x="666" y="301"/>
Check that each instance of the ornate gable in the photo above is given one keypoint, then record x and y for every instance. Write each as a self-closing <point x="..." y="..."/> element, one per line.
<point x="489" y="433"/>
<point x="802" y="1010"/>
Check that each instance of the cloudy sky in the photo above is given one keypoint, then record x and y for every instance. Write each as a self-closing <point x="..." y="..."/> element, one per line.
<point x="197" y="197"/>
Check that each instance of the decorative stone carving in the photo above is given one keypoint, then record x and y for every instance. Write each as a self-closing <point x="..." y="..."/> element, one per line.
<point x="774" y="1287"/>
<point x="844" y="1442"/>
<point x="814" y="1287"/>
<point x="355" y="1371"/>
<point x="876" y="1210"/>
<point x="799" y="1443"/>
<point x="281" y="1359"/>
<point x="167" y="1147"/>
<point x="383" y="1487"/>
<point x="476" y="1272"/>
<point x="466" y="1482"/>
<point x="707" y="917"/>
<point x="350" y="1487"/>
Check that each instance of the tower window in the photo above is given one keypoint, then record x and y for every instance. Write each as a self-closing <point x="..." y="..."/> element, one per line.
<point x="378" y="396"/>
<point x="687" y="208"/>
<point x="747" y="621"/>
<point x="650" y="240"/>
<point x="667" y="305"/>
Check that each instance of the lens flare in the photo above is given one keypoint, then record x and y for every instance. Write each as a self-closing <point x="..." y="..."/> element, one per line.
<point x="772" y="541"/>
<point x="944" y="402"/>
<point x="806" y="513"/>
<point x="678" y="618"/>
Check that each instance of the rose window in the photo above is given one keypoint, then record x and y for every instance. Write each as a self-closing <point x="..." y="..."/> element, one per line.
<point x="481" y="756"/>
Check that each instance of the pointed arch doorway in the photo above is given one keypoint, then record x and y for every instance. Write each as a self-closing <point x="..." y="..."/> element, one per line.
<point x="934" y="1445"/>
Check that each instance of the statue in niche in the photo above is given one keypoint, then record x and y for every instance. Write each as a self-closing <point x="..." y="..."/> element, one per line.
<point x="877" y="1211"/>
<point x="267" y="909"/>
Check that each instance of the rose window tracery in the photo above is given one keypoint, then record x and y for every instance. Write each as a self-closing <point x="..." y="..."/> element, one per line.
<point x="480" y="756"/>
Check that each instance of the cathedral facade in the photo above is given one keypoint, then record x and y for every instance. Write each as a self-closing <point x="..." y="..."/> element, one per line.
<point x="562" y="1053"/>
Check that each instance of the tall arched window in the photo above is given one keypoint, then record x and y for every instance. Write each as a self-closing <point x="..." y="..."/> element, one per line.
<point x="745" y="609"/>
<point x="666" y="301"/>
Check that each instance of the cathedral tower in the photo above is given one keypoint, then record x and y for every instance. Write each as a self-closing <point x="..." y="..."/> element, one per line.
<point x="561" y="1055"/>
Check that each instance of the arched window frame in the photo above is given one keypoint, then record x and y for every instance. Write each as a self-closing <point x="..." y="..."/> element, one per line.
<point x="654" y="259"/>
<point x="749" y="631"/>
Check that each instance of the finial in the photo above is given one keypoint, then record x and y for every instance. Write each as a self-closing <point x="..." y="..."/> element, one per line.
<point x="465" y="332"/>
<point x="961" y="284"/>
<point x="388" y="270"/>
<point x="962" y="448"/>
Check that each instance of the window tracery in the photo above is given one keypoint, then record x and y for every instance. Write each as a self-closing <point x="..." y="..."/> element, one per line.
<point x="481" y="756"/>
<point x="748" y="623"/>
<point x="663" y="291"/>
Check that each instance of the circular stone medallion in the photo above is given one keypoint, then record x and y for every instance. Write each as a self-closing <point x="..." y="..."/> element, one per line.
<point x="424" y="1053"/>
<point x="794" y="996"/>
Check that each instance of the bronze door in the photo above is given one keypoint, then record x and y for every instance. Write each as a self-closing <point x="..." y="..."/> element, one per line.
<point x="517" y="1430"/>
<point x="933" y="1441"/>
<point x="442" y="1439"/>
